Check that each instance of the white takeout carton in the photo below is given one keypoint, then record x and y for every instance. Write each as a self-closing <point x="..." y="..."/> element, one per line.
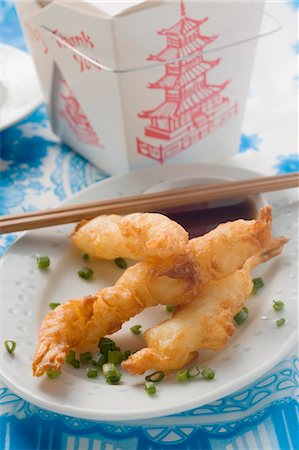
<point x="141" y="83"/>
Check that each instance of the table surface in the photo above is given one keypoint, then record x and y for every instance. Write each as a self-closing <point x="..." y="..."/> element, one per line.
<point x="37" y="171"/>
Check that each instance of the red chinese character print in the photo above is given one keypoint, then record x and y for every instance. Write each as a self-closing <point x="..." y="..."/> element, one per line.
<point x="192" y="107"/>
<point x="80" y="41"/>
<point x="77" y="120"/>
<point x="34" y="35"/>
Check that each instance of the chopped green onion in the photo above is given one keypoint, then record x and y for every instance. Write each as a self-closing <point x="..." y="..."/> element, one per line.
<point x="71" y="356"/>
<point x="193" y="372"/>
<point x="106" y="342"/>
<point x="54" y="305"/>
<point x="258" y="283"/>
<point x="126" y="354"/>
<point x="53" y="373"/>
<point x="241" y="316"/>
<point x="105" y="345"/>
<point x="207" y="373"/>
<point x="183" y="376"/>
<point x="75" y="363"/>
<point x="278" y="305"/>
<point x="170" y="308"/>
<point x="120" y="262"/>
<point x="42" y="262"/>
<point x="10" y="345"/>
<point x="85" y="357"/>
<point x="136" y="329"/>
<point x="85" y="272"/>
<point x="86" y="257"/>
<point x="98" y="360"/>
<point x="280" y="322"/>
<point x="150" y="388"/>
<point x="92" y="372"/>
<point x="155" y="376"/>
<point x="111" y="373"/>
<point x="115" y="357"/>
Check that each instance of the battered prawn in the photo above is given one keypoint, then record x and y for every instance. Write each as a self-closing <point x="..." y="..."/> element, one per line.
<point x="147" y="237"/>
<point x="156" y="238"/>
<point x="225" y="249"/>
<point x="204" y="323"/>
<point x="80" y="323"/>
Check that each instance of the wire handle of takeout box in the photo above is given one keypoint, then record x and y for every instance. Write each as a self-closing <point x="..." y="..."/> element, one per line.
<point x="278" y="26"/>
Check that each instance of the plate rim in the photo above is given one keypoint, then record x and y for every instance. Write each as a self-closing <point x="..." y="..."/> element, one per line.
<point x="34" y="104"/>
<point x="137" y="415"/>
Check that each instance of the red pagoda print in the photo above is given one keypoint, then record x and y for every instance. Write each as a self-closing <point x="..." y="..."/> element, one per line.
<point x="192" y="107"/>
<point x="76" y="119"/>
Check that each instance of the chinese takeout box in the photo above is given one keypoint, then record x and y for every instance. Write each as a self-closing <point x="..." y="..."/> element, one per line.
<point x="143" y="83"/>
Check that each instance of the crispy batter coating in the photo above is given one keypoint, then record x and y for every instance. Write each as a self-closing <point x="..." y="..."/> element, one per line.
<point x="79" y="324"/>
<point x="204" y="323"/>
<point x="159" y="240"/>
<point x="224" y="250"/>
<point x="149" y="236"/>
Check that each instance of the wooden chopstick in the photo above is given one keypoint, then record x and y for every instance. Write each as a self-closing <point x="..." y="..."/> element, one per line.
<point x="148" y="202"/>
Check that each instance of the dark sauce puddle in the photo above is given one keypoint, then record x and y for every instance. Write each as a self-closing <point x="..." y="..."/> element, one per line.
<point x="201" y="218"/>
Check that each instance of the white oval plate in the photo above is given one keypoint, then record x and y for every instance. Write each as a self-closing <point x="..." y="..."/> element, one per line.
<point x="19" y="86"/>
<point x="256" y="346"/>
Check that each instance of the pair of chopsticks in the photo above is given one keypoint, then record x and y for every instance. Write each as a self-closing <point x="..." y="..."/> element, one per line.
<point x="148" y="202"/>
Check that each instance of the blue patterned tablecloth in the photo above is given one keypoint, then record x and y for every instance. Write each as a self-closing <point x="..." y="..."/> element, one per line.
<point x="37" y="171"/>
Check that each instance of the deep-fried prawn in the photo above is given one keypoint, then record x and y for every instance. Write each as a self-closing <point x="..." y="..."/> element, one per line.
<point x="79" y="324"/>
<point x="224" y="250"/>
<point x="204" y="323"/>
<point x="142" y="237"/>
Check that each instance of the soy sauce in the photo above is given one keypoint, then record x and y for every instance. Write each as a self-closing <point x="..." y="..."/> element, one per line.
<point x="199" y="219"/>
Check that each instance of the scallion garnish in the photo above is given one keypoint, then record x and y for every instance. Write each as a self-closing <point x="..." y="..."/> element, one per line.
<point x="85" y="272"/>
<point x="54" y="305"/>
<point x="92" y="372"/>
<point x="86" y="257"/>
<point x="183" y="376"/>
<point x="170" y="308"/>
<point x="155" y="376"/>
<point x="98" y="359"/>
<point x="111" y="373"/>
<point x="278" y="305"/>
<point x="126" y="354"/>
<point x="115" y="356"/>
<point x="75" y="363"/>
<point x="280" y="322"/>
<point x="105" y="345"/>
<point x="150" y="388"/>
<point x="71" y="356"/>
<point x="258" y="283"/>
<point x="207" y="373"/>
<point x="241" y="316"/>
<point x="136" y="329"/>
<point x="193" y="372"/>
<point x="53" y="373"/>
<point x="43" y="262"/>
<point x="120" y="262"/>
<point x="10" y="345"/>
<point x="85" y="357"/>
